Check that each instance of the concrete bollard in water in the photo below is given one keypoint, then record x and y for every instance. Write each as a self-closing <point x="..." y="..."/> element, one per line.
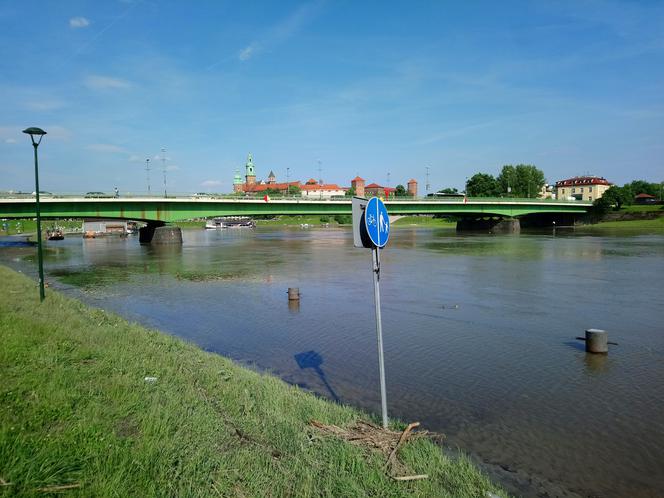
<point x="293" y="293"/>
<point x="597" y="341"/>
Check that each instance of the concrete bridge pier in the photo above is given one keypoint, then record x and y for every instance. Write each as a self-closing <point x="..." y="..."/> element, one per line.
<point x="160" y="233"/>
<point x="492" y="225"/>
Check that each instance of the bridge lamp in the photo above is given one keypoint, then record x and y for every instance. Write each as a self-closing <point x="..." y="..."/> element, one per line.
<point x="39" y="134"/>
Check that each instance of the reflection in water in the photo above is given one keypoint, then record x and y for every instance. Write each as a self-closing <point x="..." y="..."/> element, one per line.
<point x="312" y="359"/>
<point x="500" y="374"/>
<point x="294" y="305"/>
<point x="596" y="364"/>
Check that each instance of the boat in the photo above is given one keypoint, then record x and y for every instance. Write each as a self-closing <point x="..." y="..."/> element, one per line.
<point x="216" y="223"/>
<point x="55" y="234"/>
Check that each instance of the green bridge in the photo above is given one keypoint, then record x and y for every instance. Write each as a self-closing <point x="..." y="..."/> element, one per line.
<point x="157" y="211"/>
<point x="166" y="210"/>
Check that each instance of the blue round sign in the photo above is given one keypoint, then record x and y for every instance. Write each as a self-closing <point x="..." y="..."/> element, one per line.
<point x="377" y="222"/>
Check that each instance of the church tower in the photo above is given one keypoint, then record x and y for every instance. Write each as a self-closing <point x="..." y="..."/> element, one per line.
<point x="237" y="182"/>
<point x="250" y="175"/>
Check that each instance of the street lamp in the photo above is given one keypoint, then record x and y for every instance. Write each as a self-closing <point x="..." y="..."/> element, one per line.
<point x="38" y="132"/>
<point x="163" y="165"/>
<point x="147" y="170"/>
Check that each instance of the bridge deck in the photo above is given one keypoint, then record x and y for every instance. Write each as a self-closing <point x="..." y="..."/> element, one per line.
<point x="183" y="208"/>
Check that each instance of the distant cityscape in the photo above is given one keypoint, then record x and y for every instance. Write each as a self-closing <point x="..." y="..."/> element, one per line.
<point x="582" y="188"/>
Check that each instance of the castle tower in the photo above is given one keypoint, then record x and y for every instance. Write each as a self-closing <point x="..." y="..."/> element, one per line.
<point x="412" y="187"/>
<point x="271" y="179"/>
<point x="238" y="186"/>
<point x="250" y="175"/>
<point x="358" y="184"/>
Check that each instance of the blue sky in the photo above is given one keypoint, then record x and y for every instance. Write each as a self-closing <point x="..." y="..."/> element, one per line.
<point x="366" y="88"/>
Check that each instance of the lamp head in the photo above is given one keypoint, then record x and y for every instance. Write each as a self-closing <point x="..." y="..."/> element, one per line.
<point x="34" y="131"/>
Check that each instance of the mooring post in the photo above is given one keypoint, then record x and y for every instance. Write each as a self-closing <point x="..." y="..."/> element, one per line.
<point x="597" y="341"/>
<point x="293" y="293"/>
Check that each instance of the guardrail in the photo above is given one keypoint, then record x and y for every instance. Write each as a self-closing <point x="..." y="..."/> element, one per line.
<point x="236" y="197"/>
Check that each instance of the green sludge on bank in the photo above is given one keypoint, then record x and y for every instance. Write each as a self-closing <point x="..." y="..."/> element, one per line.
<point x="75" y="409"/>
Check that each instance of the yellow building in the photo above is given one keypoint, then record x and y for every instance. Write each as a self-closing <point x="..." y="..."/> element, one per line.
<point x="582" y="188"/>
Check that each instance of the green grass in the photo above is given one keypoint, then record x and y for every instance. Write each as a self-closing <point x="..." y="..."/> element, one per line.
<point x="75" y="409"/>
<point x="427" y="221"/>
<point x="654" y="224"/>
<point x="190" y="224"/>
<point x="641" y="208"/>
<point x="30" y="226"/>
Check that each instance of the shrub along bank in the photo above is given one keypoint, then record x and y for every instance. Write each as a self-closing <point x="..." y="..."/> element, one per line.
<point x="93" y="405"/>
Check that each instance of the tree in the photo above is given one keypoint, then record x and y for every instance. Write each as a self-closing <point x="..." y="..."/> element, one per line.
<point x="615" y="197"/>
<point x="522" y="180"/>
<point x="644" y="187"/>
<point x="350" y="192"/>
<point x="482" y="185"/>
<point x="400" y="191"/>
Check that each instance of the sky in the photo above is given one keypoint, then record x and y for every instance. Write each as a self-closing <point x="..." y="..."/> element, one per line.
<point x="380" y="89"/>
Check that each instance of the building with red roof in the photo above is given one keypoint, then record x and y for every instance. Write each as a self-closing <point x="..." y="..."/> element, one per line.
<point x="582" y="188"/>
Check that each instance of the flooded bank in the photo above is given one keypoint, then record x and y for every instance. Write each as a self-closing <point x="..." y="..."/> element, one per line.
<point x="479" y="334"/>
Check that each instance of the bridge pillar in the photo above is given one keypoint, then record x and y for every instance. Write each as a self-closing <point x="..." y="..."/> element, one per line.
<point x="159" y="233"/>
<point x="167" y="235"/>
<point x="501" y="225"/>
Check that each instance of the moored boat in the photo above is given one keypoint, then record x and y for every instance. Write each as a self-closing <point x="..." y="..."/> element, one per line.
<point x="229" y="223"/>
<point x="55" y="234"/>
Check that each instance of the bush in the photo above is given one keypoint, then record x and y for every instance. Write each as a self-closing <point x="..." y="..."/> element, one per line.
<point x="324" y="219"/>
<point x="343" y="219"/>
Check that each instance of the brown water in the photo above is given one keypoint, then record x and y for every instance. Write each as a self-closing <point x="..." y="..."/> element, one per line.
<point x="479" y="334"/>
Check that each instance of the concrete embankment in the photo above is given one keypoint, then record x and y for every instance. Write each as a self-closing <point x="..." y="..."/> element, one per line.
<point x="93" y="405"/>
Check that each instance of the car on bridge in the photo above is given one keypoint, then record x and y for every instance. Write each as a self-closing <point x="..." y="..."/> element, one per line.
<point x="98" y="195"/>
<point x="42" y="193"/>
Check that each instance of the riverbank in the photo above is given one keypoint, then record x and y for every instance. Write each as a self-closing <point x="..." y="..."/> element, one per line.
<point x="97" y="406"/>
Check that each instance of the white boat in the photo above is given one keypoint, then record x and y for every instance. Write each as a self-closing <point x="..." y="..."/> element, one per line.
<point x="216" y="223"/>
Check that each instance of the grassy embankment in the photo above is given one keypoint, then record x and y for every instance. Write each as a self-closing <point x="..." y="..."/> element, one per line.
<point x="28" y="226"/>
<point x="636" y="217"/>
<point x="77" y="414"/>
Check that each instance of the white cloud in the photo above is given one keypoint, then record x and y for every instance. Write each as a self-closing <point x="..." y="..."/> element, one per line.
<point x="44" y="105"/>
<point x="283" y="30"/>
<point x="10" y="141"/>
<point x="172" y="167"/>
<point x="97" y="82"/>
<point x="247" y="52"/>
<point x="211" y="183"/>
<point x="106" y="148"/>
<point x="78" y="22"/>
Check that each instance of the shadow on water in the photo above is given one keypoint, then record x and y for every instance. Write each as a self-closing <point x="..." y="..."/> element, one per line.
<point x="313" y="360"/>
<point x="579" y="346"/>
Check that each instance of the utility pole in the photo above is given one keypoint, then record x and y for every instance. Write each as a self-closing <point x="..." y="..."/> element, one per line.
<point x="427" y="184"/>
<point x="287" y="182"/>
<point x="320" y="174"/>
<point x="163" y="166"/>
<point x="147" y="171"/>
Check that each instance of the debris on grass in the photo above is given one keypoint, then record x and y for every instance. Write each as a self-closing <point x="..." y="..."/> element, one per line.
<point x="373" y="437"/>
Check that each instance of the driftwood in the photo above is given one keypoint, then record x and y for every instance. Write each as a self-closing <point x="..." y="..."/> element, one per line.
<point x="370" y="436"/>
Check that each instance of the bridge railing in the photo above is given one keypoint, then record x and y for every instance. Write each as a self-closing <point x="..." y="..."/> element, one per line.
<point x="238" y="197"/>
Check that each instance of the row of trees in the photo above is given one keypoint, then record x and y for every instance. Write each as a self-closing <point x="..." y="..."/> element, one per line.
<point x="522" y="180"/>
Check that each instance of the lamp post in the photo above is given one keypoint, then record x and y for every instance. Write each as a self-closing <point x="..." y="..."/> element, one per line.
<point x="163" y="165"/>
<point x="147" y="170"/>
<point x="38" y="132"/>
<point x="287" y="182"/>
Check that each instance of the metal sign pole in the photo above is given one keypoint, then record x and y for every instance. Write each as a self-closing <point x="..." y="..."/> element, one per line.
<point x="379" y="333"/>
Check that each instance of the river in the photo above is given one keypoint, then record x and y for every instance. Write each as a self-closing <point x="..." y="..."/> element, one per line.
<point x="479" y="334"/>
